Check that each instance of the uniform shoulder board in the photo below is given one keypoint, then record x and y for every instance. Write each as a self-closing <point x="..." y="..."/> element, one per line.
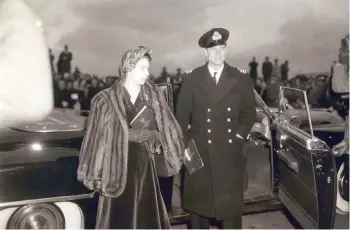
<point x="242" y="70"/>
<point x="188" y="71"/>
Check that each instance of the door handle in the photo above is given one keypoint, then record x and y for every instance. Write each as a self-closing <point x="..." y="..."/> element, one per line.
<point x="288" y="159"/>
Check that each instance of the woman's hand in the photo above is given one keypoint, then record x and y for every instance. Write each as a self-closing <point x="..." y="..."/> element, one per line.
<point x="142" y="135"/>
<point x="153" y="138"/>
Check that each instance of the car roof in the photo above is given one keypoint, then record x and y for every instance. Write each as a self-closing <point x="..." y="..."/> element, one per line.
<point x="60" y="124"/>
<point x="59" y="120"/>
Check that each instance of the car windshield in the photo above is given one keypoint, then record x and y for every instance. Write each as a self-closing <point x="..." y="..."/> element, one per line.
<point x="294" y="108"/>
<point x="261" y="104"/>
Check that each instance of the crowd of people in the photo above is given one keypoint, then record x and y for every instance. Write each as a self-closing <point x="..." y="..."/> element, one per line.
<point x="74" y="89"/>
<point x="274" y="75"/>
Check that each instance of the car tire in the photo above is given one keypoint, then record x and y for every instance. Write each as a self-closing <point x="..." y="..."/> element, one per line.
<point x="342" y="206"/>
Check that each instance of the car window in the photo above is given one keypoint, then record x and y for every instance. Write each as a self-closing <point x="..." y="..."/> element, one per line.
<point x="294" y="110"/>
<point x="260" y="104"/>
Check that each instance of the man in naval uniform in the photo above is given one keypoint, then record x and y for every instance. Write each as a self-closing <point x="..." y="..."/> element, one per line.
<point x="217" y="101"/>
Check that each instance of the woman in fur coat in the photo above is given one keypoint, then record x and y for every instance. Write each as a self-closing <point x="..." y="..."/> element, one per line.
<point x="117" y="161"/>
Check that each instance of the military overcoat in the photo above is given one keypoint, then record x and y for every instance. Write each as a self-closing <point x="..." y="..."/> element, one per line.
<point x="216" y="113"/>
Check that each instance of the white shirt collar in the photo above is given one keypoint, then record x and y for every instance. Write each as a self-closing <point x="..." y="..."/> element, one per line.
<point x="218" y="72"/>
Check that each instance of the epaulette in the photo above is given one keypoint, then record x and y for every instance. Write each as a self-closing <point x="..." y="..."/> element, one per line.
<point x="188" y="71"/>
<point x="242" y="70"/>
<point x="338" y="64"/>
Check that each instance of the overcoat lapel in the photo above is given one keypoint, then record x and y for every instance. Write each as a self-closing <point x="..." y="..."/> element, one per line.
<point x="205" y="80"/>
<point x="225" y="84"/>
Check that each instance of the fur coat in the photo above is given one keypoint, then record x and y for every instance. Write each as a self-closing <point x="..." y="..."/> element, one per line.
<point x="104" y="153"/>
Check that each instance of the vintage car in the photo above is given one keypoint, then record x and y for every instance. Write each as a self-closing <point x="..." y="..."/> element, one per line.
<point x="330" y="127"/>
<point x="285" y="166"/>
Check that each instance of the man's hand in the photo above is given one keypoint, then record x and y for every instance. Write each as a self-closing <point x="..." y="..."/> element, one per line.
<point x="341" y="148"/>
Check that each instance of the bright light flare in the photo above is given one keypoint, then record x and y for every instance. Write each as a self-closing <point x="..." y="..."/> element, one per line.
<point x="36" y="147"/>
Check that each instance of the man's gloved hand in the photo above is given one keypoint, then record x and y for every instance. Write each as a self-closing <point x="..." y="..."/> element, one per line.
<point x="341" y="148"/>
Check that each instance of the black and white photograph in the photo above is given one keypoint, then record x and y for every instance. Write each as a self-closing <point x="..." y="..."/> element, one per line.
<point x="174" y="114"/>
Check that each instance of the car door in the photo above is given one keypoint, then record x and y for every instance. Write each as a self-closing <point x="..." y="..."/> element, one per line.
<point x="306" y="167"/>
<point x="167" y="90"/>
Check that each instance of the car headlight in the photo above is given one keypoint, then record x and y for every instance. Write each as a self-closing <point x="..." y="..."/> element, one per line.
<point x="37" y="216"/>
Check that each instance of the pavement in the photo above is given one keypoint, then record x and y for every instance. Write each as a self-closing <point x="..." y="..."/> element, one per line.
<point x="276" y="220"/>
<point x="266" y="220"/>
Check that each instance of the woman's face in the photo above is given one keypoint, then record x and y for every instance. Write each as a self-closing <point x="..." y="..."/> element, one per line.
<point x="140" y="73"/>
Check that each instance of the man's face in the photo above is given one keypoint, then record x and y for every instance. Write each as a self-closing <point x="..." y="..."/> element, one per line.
<point x="94" y="83"/>
<point x="69" y="85"/>
<point x="61" y="85"/>
<point x="76" y="85"/>
<point x="216" y="55"/>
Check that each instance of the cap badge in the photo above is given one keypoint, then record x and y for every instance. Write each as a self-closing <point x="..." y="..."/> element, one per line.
<point x="216" y="36"/>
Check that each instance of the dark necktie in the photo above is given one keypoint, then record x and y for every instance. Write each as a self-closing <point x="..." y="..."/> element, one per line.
<point x="215" y="77"/>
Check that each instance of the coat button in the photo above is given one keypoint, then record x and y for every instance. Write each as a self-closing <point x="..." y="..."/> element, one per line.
<point x="209" y="110"/>
<point x="230" y="141"/>
<point x="229" y="130"/>
<point x="209" y="130"/>
<point x="208" y="120"/>
<point x="228" y="119"/>
<point x="209" y="141"/>
<point x="229" y="109"/>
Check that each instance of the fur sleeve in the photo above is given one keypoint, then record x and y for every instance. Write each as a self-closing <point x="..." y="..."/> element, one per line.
<point x="172" y="136"/>
<point x="94" y="145"/>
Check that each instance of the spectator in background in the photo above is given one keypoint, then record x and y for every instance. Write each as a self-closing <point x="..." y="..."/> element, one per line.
<point x="77" y="73"/>
<point x="259" y="86"/>
<point x="110" y="80"/>
<point x="267" y="70"/>
<point x="93" y="90"/>
<point x="79" y="93"/>
<point x="270" y="95"/>
<point x="284" y="71"/>
<point x="52" y="58"/>
<point x="317" y="94"/>
<point x="66" y="76"/>
<point x="163" y="77"/>
<point x="61" y="95"/>
<point x="82" y="85"/>
<point x="276" y="71"/>
<point x="178" y="75"/>
<point x="253" y="65"/>
<point x="64" y="61"/>
<point x="101" y="85"/>
<point x="69" y="88"/>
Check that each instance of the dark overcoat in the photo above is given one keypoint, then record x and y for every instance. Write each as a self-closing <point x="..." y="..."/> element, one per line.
<point x="216" y="113"/>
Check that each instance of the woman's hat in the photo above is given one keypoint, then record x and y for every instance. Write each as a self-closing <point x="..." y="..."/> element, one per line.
<point x="131" y="57"/>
